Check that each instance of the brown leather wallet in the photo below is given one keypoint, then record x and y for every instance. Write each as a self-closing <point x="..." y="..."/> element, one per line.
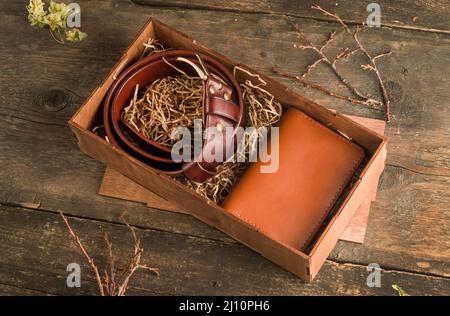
<point x="223" y="107"/>
<point x="289" y="205"/>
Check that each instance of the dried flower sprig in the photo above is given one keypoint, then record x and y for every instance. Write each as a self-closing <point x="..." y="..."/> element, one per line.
<point x="56" y="20"/>
<point x="114" y="282"/>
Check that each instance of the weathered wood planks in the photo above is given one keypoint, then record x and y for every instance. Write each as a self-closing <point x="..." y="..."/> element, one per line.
<point x="42" y="83"/>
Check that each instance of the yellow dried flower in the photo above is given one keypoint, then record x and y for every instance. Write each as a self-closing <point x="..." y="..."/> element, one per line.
<point x="75" y="35"/>
<point x="56" y="7"/>
<point x="55" y="18"/>
<point x="36" y="13"/>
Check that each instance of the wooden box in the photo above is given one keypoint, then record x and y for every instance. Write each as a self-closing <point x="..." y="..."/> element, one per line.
<point x="304" y="265"/>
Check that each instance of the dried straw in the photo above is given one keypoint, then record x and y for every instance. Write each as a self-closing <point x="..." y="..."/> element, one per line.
<point x="168" y="103"/>
<point x="152" y="46"/>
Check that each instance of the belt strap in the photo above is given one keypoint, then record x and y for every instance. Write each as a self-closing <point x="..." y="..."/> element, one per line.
<point x="223" y="107"/>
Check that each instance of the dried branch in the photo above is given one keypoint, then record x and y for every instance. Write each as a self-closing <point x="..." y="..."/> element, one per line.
<point x="334" y="16"/>
<point x="382" y="55"/>
<point x="330" y="38"/>
<point x="323" y="58"/>
<point x="133" y="264"/>
<point x="311" y="67"/>
<point x="373" y="65"/>
<point x="345" y="53"/>
<point x="320" y="88"/>
<point x="85" y="253"/>
<point x="387" y="101"/>
<point x="108" y="285"/>
<point x="111" y="278"/>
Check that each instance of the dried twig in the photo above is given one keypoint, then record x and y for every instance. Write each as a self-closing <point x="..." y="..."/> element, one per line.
<point x="85" y="253"/>
<point x="372" y="60"/>
<point x="311" y="67"/>
<point x="367" y="100"/>
<point x="111" y="278"/>
<point x="133" y="264"/>
<point x="334" y="16"/>
<point x="363" y="99"/>
<point x="309" y="84"/>
<point x="320" y="50"/>
<point x="345" y="53"/>
<point x="109" y="284"/>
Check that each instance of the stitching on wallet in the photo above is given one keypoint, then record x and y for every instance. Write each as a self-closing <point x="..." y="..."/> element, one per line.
<point x="332" y="201"/>
<point x="341" y="187"/>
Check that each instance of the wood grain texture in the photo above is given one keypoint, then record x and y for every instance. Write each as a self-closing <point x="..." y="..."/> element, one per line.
<point x="42" y="84"/>
<point x="415" y="15"/>
<point x="188" y="266"/>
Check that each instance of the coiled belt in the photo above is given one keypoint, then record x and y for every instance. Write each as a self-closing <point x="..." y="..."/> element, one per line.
<point x="223" y="107"/>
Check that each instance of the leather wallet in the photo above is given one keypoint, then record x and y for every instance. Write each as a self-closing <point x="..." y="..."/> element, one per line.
<point x="290" y="204"/>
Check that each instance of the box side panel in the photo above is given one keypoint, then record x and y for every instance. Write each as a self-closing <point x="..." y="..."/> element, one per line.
<point x="337" y="225"/>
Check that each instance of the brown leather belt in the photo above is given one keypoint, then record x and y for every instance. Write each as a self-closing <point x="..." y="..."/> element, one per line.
<point x="223" y="107"/>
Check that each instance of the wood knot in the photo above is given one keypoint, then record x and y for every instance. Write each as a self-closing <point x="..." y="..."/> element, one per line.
<point x="55" y="99"/>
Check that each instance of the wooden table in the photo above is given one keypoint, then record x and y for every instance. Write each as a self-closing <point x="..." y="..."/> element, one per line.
<point x="43" y="83"/>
